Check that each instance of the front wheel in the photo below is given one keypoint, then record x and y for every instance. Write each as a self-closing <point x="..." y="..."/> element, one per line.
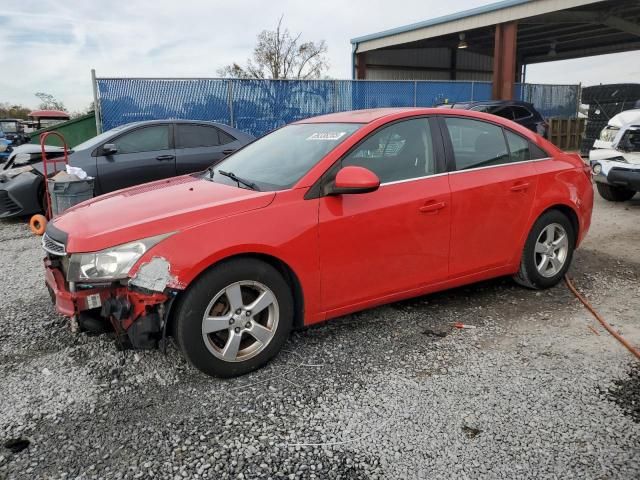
<point x="547" y="252"/>
<point x="235" y="317"/>
<point x="614" y="194"/>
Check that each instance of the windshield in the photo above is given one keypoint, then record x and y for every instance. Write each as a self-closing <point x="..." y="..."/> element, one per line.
<point x="98" y="139"/>
<point x="8" y="127"/>
<point x="279" y="159"/>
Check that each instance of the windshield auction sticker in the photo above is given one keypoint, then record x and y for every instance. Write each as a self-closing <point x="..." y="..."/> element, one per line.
<point x="331" y="136"/>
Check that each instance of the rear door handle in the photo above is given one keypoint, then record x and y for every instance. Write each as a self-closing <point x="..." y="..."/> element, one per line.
<point x="229" y="151"/>
<point x="520" y="187"/>
<point x="165" y="157"/>
<point x="431" y="206"/>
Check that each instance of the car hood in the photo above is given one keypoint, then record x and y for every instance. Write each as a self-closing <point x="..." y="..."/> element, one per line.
<point x="153" y="209"/>
<point x="624" y="118"/>
<point x="34" y="151"/>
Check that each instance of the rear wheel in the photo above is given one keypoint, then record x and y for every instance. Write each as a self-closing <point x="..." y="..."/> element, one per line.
<point x="613" y="193"/>
<point x="235" y="317"/>
<point x="548" y="251"/>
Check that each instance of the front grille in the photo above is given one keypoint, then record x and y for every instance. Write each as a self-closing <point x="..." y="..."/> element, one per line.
<point x="53" y="247"/>
<point x="7" y="205"/>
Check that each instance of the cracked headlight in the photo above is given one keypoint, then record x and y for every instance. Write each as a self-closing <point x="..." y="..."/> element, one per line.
<point x="110" y="264"/>
<point x="608" y="134"/>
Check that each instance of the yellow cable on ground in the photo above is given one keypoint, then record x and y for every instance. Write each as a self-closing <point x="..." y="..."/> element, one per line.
<point x="604" y="323"/>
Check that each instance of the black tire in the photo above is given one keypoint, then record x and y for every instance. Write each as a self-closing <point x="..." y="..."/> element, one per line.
<point x="528" y="275"/>
<point x="614" y="194"/>
<point x="191" y="309"/>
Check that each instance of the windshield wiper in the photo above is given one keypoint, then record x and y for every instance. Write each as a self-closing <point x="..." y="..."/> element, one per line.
<point x="239" y="180"/>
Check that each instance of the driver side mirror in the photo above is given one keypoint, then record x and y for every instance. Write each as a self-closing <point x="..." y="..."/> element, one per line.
<point x="354" y="179"/>
<point x="109" y="148"/>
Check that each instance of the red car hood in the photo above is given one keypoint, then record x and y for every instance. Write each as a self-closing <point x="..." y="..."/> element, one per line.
<point x="152" y="209"/>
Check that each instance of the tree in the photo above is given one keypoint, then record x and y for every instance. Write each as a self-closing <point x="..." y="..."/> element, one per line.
<point x="49" y="102"/>
<point x="8" y="110"/>
<point x="278" y="55"/>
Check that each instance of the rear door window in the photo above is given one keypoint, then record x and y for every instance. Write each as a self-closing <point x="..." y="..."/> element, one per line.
<point x="145" y="139"/>
<point x="520" y="113"/>
<point x="476" y="143"/>
<point x="193" y="136"/>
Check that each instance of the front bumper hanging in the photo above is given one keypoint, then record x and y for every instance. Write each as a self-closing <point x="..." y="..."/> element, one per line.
<point x="140" y="314"/>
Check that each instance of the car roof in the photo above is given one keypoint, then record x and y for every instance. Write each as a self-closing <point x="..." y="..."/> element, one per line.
<point x="227" y="128"/>
<point x="168" y="120"/>
<point x="473" y="103"/>
<point x="367" y="116"/>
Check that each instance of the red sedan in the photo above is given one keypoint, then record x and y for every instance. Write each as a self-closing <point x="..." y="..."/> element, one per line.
<point x="318" y="219"/>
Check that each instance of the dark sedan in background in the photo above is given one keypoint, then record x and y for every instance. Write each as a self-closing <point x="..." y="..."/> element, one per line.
<point x="520" y="112"/>
<point x="127" y="155"/>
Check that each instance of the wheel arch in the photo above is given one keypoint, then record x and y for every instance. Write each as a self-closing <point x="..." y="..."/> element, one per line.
<point x="568" y="212"/>
<point x="281" y="266"/>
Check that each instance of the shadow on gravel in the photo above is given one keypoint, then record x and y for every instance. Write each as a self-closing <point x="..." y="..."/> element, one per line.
<point x="626" y="393"/>
<point x="16" y="445"/>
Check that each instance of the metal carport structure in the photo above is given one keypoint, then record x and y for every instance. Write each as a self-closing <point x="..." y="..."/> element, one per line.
<point x="496" y="42"/>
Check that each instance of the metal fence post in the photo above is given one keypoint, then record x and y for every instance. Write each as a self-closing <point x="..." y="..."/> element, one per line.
<point x="472" y="86"/>
<point x="230" y="101"/>
<point x="578" y="99"/>
<point x="96" y="103"/>
<point x="335" y="95"/>
<point x="415" y="93"/>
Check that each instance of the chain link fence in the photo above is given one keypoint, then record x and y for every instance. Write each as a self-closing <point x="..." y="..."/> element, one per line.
<point x="259" y="106"/>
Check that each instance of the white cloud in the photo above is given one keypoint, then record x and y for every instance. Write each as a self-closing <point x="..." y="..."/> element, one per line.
<point x="52" y="45"/>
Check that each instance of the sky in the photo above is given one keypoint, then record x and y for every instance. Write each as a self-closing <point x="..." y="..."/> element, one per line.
<point x="52" y="45"/>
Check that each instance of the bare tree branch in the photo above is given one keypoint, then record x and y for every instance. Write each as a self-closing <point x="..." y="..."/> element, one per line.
<point x="278" y="55"/>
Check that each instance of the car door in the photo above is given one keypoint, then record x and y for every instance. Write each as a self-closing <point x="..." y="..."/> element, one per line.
<point x="395" y="238"/>
<point x="142" y="155"/>
<point x="199" y="146"/>
<point x="492" y="193"/>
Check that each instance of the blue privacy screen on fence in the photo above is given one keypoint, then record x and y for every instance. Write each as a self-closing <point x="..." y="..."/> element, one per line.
<point x="259" y="106"/>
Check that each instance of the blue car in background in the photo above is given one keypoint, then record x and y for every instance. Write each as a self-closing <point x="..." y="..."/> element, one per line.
<point x="5" y="147"/>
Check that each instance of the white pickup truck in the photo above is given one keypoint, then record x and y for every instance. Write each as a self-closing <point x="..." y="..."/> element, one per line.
<point x="615" y="158"/>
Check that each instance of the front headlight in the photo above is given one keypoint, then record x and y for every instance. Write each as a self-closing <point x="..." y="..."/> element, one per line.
<point x="21" y="158"/>
<point x="110" y="264"/>
<point x="609" y="133"/>
<point x="3" y="146"/>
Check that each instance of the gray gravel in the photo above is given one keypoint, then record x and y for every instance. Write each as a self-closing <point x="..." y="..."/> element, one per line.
<point x="393" y="392"/>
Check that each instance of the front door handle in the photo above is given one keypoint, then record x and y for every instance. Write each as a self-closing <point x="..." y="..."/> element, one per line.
<point x="228" y="151"/>
<point x="520" y="187"/>
<point x="163" y="158"/>
<point x="432" y="206"/>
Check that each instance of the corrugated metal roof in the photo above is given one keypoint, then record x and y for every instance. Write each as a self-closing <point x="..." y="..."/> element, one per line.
<point x="460" y="21"/>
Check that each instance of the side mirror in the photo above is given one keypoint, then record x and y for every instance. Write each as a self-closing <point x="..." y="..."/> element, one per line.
<point x="109" y="148"/>
<point x="354" y="179"/>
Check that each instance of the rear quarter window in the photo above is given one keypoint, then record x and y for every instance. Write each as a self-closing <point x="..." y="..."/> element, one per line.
<point x="521" y="149"/>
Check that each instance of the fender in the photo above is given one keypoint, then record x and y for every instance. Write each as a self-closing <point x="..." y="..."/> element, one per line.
<point x="295" y="244"/>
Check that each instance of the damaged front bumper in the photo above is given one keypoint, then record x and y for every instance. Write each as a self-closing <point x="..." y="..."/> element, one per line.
<point x="138" y="317"/>
<point x="616" y="173"/>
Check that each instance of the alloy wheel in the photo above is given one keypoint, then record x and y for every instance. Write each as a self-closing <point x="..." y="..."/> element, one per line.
<point x="240" y="321"/>
<point x="552" y="247"/>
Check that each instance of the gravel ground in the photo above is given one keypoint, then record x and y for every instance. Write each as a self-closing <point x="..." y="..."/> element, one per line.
<point x="393" y="392"/>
